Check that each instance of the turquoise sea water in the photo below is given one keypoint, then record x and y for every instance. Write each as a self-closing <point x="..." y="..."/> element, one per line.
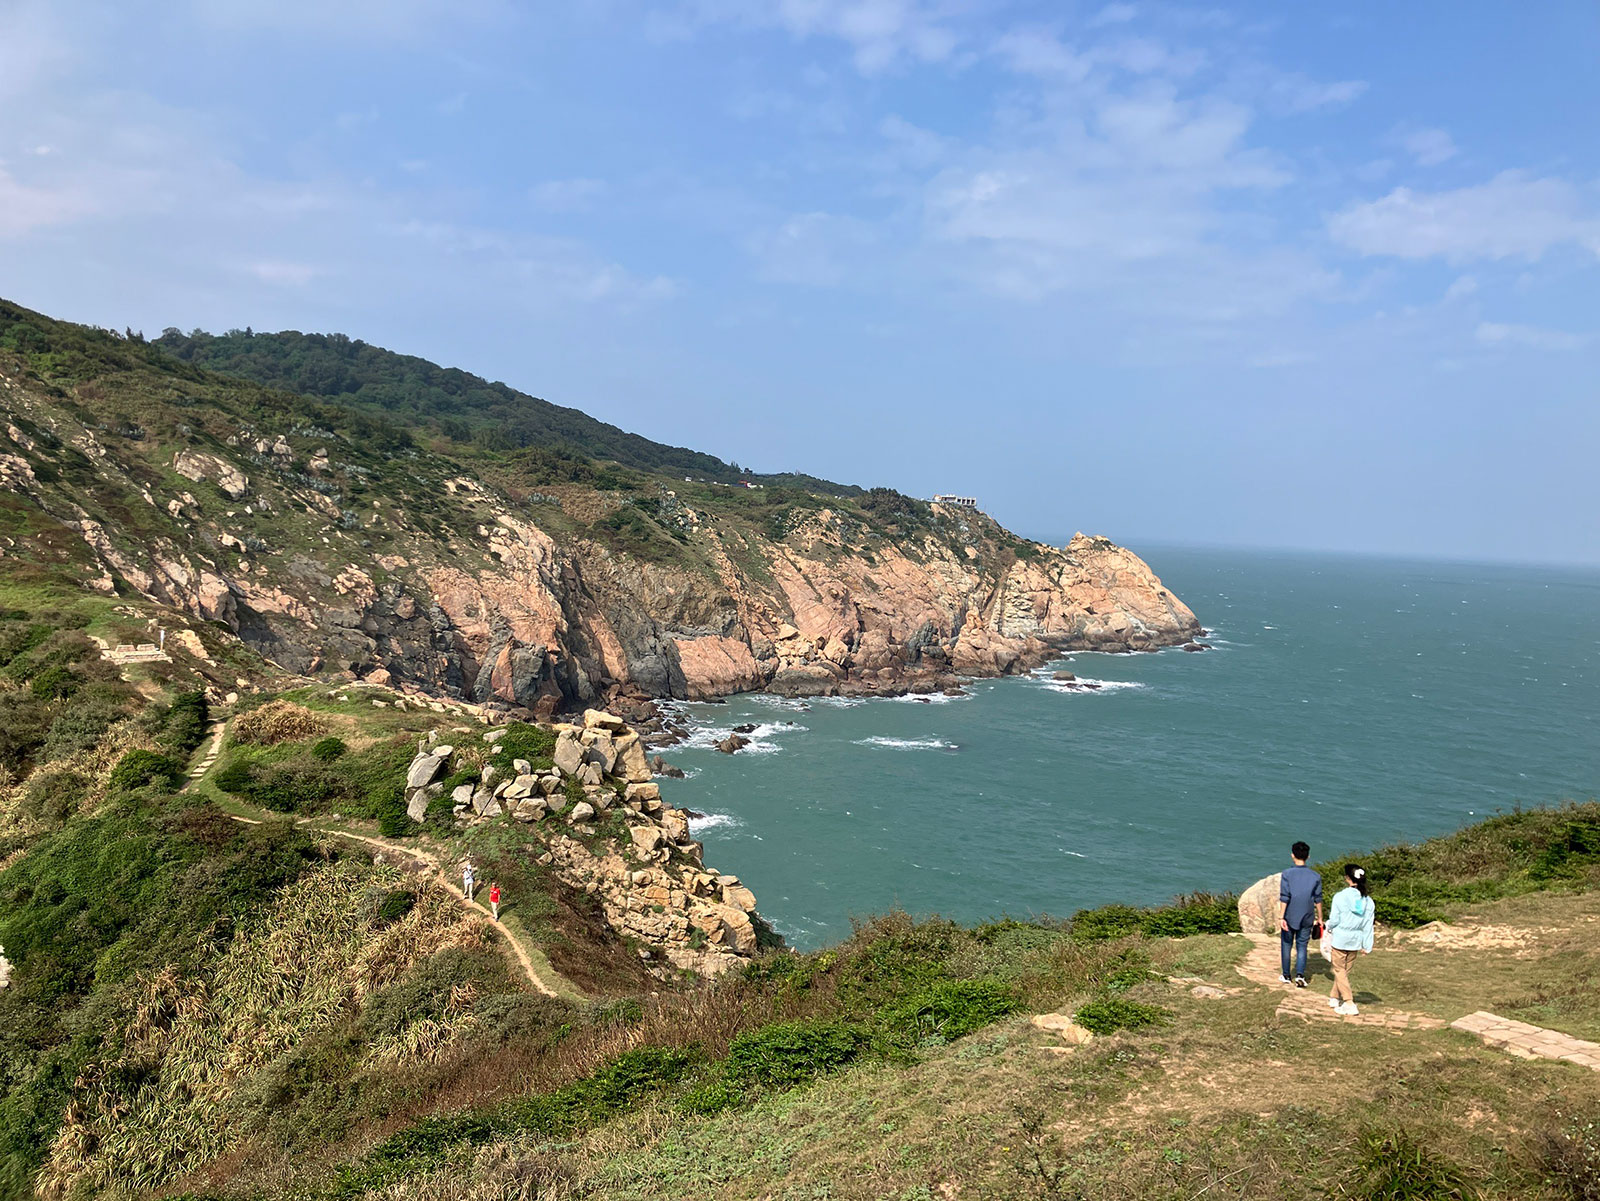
<point x="1350" y="702"/>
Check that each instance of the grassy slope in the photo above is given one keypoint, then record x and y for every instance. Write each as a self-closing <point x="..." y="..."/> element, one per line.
<point x="899" y="1065"/>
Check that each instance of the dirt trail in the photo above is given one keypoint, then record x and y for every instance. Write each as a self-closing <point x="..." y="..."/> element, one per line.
<point x="209" y="759"/>
<point x="440" y="877"/>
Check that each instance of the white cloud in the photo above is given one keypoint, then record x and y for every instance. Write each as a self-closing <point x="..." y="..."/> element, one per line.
<point x="1463" y="287"/>
<point x="1429" y="147"/>
<point x="1492" y="333"/>
<point x="1511" y="216"/>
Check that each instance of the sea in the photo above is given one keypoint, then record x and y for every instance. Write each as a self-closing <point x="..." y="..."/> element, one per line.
<point x="1350" y="702"/>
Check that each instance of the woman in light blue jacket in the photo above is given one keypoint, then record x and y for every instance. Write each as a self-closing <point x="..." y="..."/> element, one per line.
<point x="1349" y="933"/>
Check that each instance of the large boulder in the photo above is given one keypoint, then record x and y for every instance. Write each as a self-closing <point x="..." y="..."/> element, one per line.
<point x="417" y="806"/>
<point x="631" y="762"/>
<point x="600" y="749"/>
<point x="1258" y="906"/>
<point x="424" y="770"/>
<point x="598" y="719"/>
<point x="568" y="754"/>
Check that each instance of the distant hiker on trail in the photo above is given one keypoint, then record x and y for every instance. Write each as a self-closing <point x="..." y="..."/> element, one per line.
<point x="467" y="880"/>
<point x="1349" y="934"/>
<point x="494" y="900"/>
<point x="1300" y="894"/>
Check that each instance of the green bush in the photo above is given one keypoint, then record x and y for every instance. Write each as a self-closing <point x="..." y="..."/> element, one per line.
<point x="1396" y="1166"/>
<point x="1110" y="1014"/>
<point x="1402" y="912"/>
<point x="53" y="683"/>
<point x="788" y="1053"/>
<point x="187" y="719"/>
<point x="393" y="820"/>
<point x="1201" y="913"/>
<point x="328" y="749"/>
<point x="395" y="904"/>
<point x="1574" y="846"/>
<point x="52" y="795"/>
<point x="137" y="769"/>
<point x="80" y="726"/>
<point x="1109" y="921"/>
<point x="235" y="776"/>
<point x="710" y="1098"/>
<point x="953" y="1008"/>
<point x="524" y="741"/>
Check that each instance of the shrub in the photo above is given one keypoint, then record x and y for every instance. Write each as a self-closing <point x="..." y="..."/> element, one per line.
<point x="236" y="776"/>
<point x="953" y="1008"/>
<point x="328" y="749"/>
<point x="1109" y="921"/>
<point x="395" y="904"/>
<point x="1110" y="1014"/>
<point x="1573" y="845"/>
<point x="80" y="727"/>
<point x="1397" y="1167"/>
<point x="187" y="719"/>
<point x="1402" y="912"/>
<point x="53" y="795"/>
<point x="278" y="721"/>
<point x="1201" y="913"/>
<point x="393" y="820"/>
<point x="54" y="683"/>
<point x="524" y="741"/>
<point x="136" y="769"/>
<point x="710" y="1098"/>
<point x="788" y="1053"/>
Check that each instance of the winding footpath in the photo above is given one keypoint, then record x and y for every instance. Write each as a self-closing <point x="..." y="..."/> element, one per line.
<point x="402" y="855"/>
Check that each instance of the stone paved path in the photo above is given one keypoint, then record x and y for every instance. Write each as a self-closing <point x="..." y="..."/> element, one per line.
<point x="209" y="759"/>
<point x="1261" y="966"/>
<point x="1528" y="1041"/>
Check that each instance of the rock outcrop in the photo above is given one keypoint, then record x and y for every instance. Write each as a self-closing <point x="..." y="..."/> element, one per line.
<point x="607" y="833"/>
<point x="331" y="560"/>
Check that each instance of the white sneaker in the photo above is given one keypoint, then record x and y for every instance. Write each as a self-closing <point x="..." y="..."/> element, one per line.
<point x="1333" y="1002"/>
<point x="1284" y="980"/>
<point x="1348" y="1009"/>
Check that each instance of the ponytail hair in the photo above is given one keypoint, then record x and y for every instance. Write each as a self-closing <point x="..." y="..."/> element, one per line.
<point x="1357" y="875"/>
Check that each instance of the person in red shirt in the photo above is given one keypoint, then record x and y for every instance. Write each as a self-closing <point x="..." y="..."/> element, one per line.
<point x="494" y="900"/>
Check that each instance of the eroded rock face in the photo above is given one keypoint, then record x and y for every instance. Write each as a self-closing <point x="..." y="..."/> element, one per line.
<point x="485" y="605"/>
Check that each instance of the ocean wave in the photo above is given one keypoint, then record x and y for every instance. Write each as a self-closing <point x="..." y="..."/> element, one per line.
<point x="759" y="740"/>
<point x="1087" y="684"/>
<point x="908" y="744"/>
<point x="928" y="698"/>
<point x="713" y="821"/>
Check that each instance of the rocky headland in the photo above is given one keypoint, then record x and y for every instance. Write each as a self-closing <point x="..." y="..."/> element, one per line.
<point x="339" y="548"/>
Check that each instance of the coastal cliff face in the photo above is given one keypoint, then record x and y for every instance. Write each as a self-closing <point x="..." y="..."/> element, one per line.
<point x="427" y="569"/>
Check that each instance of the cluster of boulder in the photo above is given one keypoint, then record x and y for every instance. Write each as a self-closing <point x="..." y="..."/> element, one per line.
<point x="652" y="886"/>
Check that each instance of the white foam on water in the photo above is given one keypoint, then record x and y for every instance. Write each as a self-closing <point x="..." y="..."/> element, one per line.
<point x="1086" y="684"/>
<point x="713" y="821"/>
<point x="927" y="698"/>
<point x="908" y="744"/>
<point x="705" y="738"/>
<point x="1064" y="851"/>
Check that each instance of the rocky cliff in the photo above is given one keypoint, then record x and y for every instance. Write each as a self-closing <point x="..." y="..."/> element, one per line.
<point x="332" y="546"/>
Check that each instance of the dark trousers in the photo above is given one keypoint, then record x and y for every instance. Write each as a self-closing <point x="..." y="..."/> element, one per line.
<point x="1296" y="939"/>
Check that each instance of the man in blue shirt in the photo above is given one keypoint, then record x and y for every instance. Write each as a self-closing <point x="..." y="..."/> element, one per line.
<point x="1300" y="893"/>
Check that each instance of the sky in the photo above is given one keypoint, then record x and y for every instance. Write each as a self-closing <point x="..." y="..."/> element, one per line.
<point x="1261" y="274"/>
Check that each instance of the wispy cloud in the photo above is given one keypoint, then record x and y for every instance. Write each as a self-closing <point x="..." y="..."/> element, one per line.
<point x="1429" y="147"/>
<point x="566" y="195"/>
<point x="1492" y="333"/>
<point x="1512" y="216"/>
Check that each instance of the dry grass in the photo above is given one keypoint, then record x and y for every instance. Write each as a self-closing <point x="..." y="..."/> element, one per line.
<point x="278" y="721"/>
<point x="189" y="1046"/>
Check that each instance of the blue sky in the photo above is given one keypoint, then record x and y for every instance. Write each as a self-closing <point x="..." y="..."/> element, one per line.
<point x="1319" y="276"/>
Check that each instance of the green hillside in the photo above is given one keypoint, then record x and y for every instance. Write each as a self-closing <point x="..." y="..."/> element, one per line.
<point x="462" y="406"/>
